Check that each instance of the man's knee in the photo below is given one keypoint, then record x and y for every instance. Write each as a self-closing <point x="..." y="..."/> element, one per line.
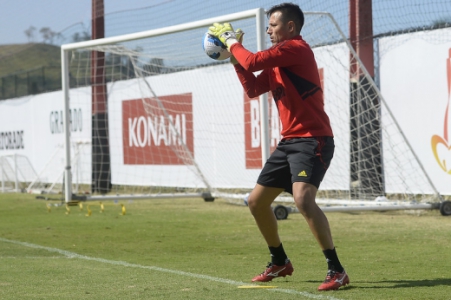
<point x="305" y="206"/>
<point x="256" y="204"/>
<point x="261" y="198"/>
<point x="304" y="195"/>
<point x="251" y="202"/>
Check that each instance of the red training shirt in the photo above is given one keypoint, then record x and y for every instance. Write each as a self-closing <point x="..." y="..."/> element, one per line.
<point x="291" y="74"/>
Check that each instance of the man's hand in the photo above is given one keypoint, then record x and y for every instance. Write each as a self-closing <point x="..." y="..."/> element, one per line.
<point x="239" y="36"/>
<point x="225" y="33"/>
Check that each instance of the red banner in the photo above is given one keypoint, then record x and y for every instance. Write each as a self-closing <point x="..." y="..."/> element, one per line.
<point x="158" y="131"/>
<point x="252" y="130"/>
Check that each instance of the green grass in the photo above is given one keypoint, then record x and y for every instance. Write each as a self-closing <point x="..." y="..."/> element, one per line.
<point x="190" y="249"/>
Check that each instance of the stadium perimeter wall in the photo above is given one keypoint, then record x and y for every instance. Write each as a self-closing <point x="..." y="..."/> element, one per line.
<point x="415" y="80"/>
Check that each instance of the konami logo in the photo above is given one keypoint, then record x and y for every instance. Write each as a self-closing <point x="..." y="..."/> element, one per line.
<point x="158" y="132"/>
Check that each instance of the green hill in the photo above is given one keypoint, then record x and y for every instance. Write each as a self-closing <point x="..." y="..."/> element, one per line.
<point x="34" y="68"/>
<point x="23" y="57"/>
<point x="29" y="69"/>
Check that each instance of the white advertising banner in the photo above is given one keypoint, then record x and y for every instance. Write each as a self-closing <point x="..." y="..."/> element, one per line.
<point x="415" y="78"/>
<point x="37" y="122"/>
<point x="333" y="63"/>
<point x="211" y="122"/>
<point x="219" y="126"/>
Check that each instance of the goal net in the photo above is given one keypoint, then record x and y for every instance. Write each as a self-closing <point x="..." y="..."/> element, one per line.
<point x="178" y="123"/>
<point x="16" y="171"/>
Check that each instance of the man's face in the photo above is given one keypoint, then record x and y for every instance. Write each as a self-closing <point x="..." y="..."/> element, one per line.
<point x="277" y="30"/>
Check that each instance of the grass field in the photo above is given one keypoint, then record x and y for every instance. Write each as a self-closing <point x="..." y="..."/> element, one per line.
<point x="191" y="249"/>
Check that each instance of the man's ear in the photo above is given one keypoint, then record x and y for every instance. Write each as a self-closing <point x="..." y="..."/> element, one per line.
<point x="291" y="26"/>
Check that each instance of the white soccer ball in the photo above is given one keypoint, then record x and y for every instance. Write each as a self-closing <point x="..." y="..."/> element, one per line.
<point x="215" y="48"/>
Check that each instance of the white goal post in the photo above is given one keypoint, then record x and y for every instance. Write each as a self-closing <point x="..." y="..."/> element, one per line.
<point x="258" y="14"/>
<point x="181" y="126"/>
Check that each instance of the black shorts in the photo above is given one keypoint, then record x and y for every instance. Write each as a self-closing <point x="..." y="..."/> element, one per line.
<point x="298" y="160"/>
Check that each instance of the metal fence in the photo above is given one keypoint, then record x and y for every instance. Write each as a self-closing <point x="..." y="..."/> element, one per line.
<point x="30" y="82"/>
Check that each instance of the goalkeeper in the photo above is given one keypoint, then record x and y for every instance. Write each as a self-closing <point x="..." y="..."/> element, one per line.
<point x="305" y="151"/>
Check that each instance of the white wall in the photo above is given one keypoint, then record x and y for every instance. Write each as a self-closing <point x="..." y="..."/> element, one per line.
<point x="415" y="73"/>
<point x="414" y="83"/>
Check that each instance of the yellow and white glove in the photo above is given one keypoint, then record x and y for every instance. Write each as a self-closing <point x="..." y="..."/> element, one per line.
<point x="239" y="35"/>
<point x="225" y="33"/>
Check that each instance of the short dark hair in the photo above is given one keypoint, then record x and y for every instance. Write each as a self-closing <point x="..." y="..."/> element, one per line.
<point x="290" y="12"/>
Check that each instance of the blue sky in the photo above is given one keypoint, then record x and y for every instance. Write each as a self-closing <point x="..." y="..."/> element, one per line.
<point x="16" y="16"/>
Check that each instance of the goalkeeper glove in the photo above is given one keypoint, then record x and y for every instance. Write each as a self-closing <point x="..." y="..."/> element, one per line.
<point x="225" y="33"/>
<point x="239" y="35"/>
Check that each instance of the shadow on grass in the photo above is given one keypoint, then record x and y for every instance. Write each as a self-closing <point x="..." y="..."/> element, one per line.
<point x="387" y="284"/>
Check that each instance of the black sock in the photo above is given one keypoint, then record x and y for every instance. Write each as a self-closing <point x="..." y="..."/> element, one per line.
<point x="333" y="263"/>
<point x="278" y="256"/>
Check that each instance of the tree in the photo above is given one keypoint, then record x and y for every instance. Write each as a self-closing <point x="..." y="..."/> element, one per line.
<point x="155" y="66"/>
<point x="30" y="33"/>
<point x="47" y="34"/>
<point x="79" y="37"/>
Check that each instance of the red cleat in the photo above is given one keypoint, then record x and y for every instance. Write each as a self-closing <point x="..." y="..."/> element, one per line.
<point x="273" y="271"/>
<point x="334" y="280"/>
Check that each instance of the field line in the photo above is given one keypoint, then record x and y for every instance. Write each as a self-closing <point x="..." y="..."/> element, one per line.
<point x="69" y="254"/>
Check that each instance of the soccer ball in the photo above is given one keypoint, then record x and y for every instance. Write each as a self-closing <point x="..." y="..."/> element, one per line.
<point x="215" y="48"/>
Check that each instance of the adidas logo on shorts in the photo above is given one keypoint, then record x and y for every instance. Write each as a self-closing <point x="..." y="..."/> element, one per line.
<point x="302" y="174"/>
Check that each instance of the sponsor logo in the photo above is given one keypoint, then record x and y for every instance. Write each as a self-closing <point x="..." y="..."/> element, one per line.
<point x="302" y="174"/>
<point x="12" y="140"/>
<point x="153" y="135"/>
<point x="276" y="273"/>
<point x="56" y="121"/>
<point x="441" y="145"/>
<point x="252" y="130"/>
<point x="340" y="279"/>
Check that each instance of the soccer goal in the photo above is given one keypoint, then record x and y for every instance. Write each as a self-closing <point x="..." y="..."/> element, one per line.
<point x="15" y="171"/>
<point x="178" y="124"/>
